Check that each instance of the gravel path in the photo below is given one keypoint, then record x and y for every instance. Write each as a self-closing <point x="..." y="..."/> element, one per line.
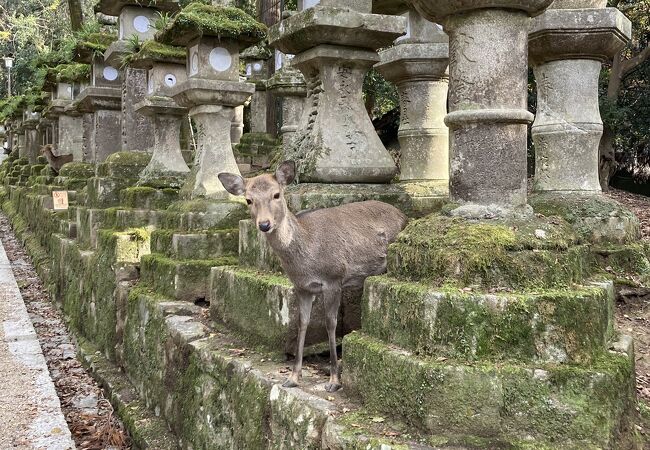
<point x="88" y="414"/>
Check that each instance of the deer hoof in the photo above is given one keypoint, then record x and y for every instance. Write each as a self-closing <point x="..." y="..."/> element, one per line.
<point x="289" y="383"/>
<point x="332" y="387"/>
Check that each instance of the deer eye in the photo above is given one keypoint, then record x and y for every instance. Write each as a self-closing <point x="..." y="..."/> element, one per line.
<point x="276" y="196"/>
<point x="249" y="201"/>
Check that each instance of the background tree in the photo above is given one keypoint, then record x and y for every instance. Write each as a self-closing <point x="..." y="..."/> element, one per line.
<point x="625" y="100"/>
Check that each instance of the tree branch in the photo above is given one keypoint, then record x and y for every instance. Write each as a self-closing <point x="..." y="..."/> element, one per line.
<point x="632" y="63"/>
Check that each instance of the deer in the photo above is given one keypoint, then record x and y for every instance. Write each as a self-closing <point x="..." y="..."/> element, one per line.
<point x="322" y="251"/>
<point x="55" y="162"/>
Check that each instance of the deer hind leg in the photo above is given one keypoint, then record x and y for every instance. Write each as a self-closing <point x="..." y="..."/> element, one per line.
<point x="305" y="300"/>
<point x="332" y="300"/>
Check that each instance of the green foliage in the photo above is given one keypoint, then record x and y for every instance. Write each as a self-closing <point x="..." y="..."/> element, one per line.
<point x="379" y="95"/>
<point x="155" y="51"/>
<point x="199" y="19"/>
<point x="72" y="72"/>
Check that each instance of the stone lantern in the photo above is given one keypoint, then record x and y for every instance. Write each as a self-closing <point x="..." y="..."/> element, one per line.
<point x="288" y="83"/>
<point x="165" y="66"/>
<point x="335" y="43"/>
<point x="68" y="130"/>
<point x="212" y="90"/>
<point x="134" y="19"/>
<point x="567" y="48"/>
<point x="32" y="140"/>
<point x="256" y="61"/>
<point x="488" y="115"/>
<point x="418" y="65"/>
<point x="100" y="103"/>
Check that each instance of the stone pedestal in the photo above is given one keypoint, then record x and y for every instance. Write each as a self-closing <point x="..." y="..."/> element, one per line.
<point x="418" y="65"/>
<point x="101" y="120"/>
<point x="334" y="48"/>
<point x="211" y="105"/>
<point x="487" y="101"/>
<point x="167" y="167"/>
<point x="289" y="84"/>
<point x="567" y="47"/>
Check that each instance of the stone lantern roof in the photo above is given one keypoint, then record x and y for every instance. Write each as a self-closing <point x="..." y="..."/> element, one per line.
<point x="260" y="51"/>
<point x="90" y="44"/>
<point x="154" y="52"/>
<point x="113" y="7"/>
<point x="198" y="20"/>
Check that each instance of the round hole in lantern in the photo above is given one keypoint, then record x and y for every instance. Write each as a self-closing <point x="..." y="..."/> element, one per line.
<point x="141" y="24"/>
<point x="257" y="67"/>
<point x="69" y="89"/>
<point x="195" y="63"/>
<point x="110" y="73"/>
<point x="220" y="59"/>
<point x="170" y="80"/>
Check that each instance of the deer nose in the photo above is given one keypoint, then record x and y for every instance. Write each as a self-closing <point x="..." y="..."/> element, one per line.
<point x="265" y="226"/>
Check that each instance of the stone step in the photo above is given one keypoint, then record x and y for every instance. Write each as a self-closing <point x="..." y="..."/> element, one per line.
<point x="215" y="390"/>
<point x="254" y="250"/>
<point x="413" y="198"/>
<point x="564" y="325"/>
<point x="206" y="245"/>
<point x="263" y="308"/>
<point x="185" y="280"/>
<point x="505" y="404"/>
<point x="530" y="254"/>
<point x="143" y="197"/>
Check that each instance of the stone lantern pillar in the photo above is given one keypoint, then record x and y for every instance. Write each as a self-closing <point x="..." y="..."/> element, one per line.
<point x="100" y="103"/>
<point x="288" y="83"/>
<point x="134" y="19"/>
<point x="32" y="141"/>
<point x="212" y="90"/>
<point x="567" y="47"/>
<point x="418" y="65"/>
<point x="167" y="168"/>
<point x="488" y="116"/>
<point x="335" y="44"/>
<point x="68" y="138"/>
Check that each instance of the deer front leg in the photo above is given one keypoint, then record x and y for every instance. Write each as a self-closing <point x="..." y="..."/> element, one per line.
<point x="305" y="301"/>
<point x="332" y="300"/>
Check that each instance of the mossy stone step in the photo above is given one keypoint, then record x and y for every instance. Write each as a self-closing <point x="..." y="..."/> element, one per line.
<point x="104" y="192"/>
<point x="595" y="218"/>
<point x="143" y="197"/>
<point x="254" y="250"/>
<point x="414" y="199"/>
<point x="626" y="261"/>
<point x="504" y="405"/>
<point x="206" y="245"/>
<point x="185" y="280"/>
<point x="263" y="308"/>
<point x="126" y="165"/>
<point x="564" y="325"/>
<point x="521" y="254"/>
<point x="203" y="214"/>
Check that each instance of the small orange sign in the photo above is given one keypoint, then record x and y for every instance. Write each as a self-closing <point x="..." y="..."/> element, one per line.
<point x="60" y="200"/>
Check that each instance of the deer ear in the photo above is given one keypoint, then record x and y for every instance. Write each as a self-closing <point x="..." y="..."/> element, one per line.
<point x="233" y="183"/>
<point x="286" y="173"/>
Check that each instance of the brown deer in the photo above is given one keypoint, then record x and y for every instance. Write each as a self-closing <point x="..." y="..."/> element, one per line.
<point x="55" y="162"/>
<point x="322" y="251"/>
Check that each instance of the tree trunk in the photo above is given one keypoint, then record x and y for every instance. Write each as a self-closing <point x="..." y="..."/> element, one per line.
<point x="607" y="163"/>
<point x="76" y="14"/>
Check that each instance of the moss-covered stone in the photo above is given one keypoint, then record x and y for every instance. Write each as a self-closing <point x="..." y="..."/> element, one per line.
<point x="456" y="252"/>
<point x="72" y="72"/>
<point x="124" y="165"/>
<point x="595" y="218"/>
<point x="204" y="214"/>
<point x="144" y="197"/>
<point x="198" y="19"/>
<point x="567" y="325"/>
<point x="254" y="250"/>
<point x="629" y="262"/>
<point x="77" y="170"/>
<point x="202" y="245"/>
<point x="151" y="51"/>
<point x="181" y="280"/>
<point x="544" y="406"/>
